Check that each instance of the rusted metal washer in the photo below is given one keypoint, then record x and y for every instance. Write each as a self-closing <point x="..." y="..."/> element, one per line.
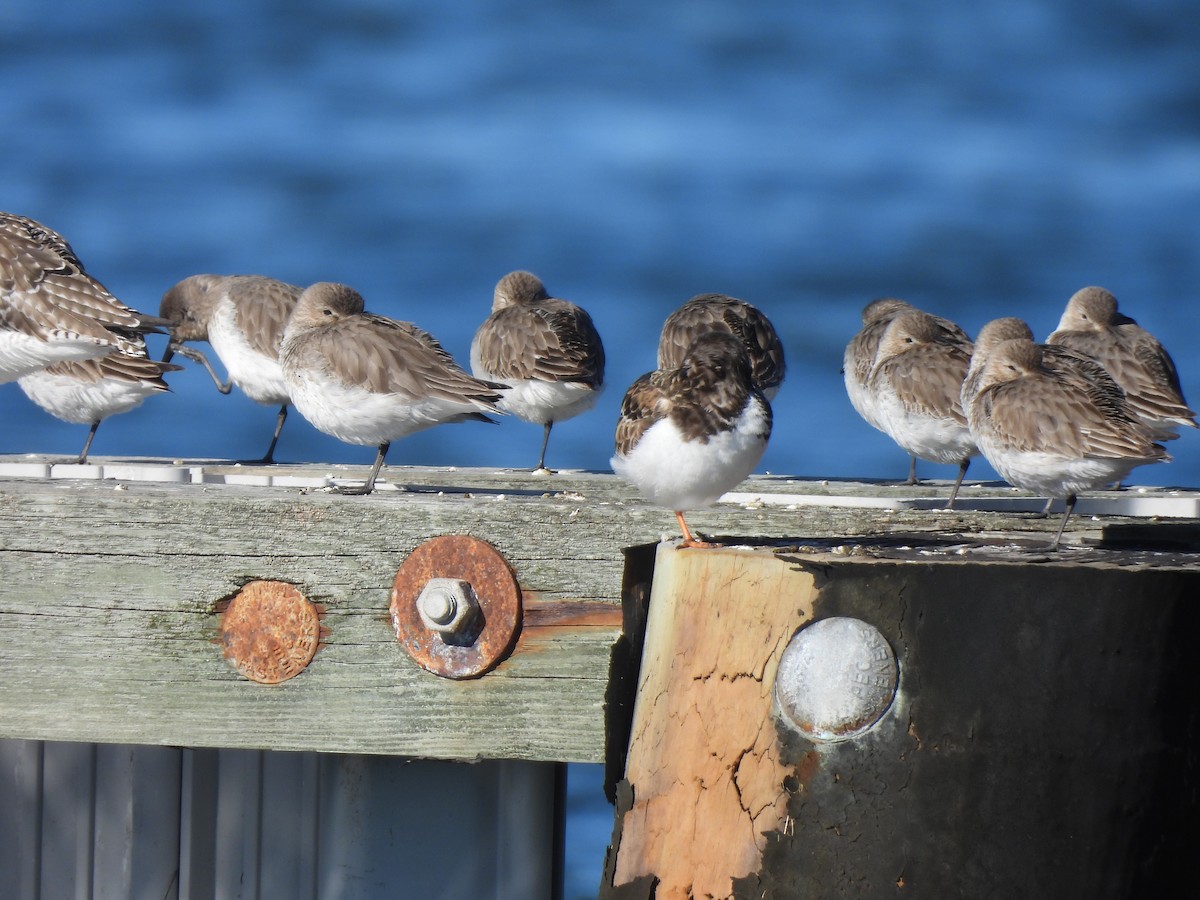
<point x="480" y="564"/>
<point x="270" y="631"/>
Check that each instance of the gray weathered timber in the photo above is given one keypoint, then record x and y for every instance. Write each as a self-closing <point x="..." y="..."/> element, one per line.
<point x="109" y="590"/>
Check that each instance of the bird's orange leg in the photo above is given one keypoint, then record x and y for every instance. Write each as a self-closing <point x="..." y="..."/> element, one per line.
<point x="689" y="539"/>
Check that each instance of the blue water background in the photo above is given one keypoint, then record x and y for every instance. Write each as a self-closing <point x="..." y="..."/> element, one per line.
<point x="977" y="159"/>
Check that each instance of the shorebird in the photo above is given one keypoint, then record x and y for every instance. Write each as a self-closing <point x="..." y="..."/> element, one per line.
<point x="991" y="335"/>
<point x="914" y="389"/>
<point x="91" y="390"/>
<point x="546" y="350"/>
<point x="369" y="380"/>
<point x="859" y="358"/>
<point x="1055" y="429"/>
<point x="718" y="312"/>
<point x="689" y="434"/>
<point x="51" y="309"/>
<point x="1062" y="360"/>
<point x="1092" y="325"/>
<point x="243" y="317"/>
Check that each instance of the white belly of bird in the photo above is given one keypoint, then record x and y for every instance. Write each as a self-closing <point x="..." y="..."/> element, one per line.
<point x="82" y="402"/>
<point x="936" y="439"/>
<point x="860" y="398"/>
<point x="21" y="354"/>
<point x="1053" y="475"/>
<point x="544" y="401"/>
<point x="681" y="475"/>
<point x="357" y="416"/>
<point x="259" y="376"/>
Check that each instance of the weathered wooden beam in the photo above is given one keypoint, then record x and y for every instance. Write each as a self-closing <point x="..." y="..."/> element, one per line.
<point x="109" y="596"/>
<point x="109" y="591"/>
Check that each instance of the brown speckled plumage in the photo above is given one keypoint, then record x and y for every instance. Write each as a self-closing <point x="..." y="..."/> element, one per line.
<point x="719" y="312"/>
<point x="1092" y="325"/>
<point x="531" y="335"/>
<point x="703" y="396"/>
<point x="46" y="294"/>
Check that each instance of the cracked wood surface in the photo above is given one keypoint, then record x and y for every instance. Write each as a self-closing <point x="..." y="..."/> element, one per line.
<point x="704" y="762"/>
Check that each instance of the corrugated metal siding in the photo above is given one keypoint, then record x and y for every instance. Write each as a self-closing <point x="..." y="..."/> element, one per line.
<point x="114" y="821"/>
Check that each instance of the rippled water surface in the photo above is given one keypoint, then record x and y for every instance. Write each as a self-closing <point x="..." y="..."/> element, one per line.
<point x="978" y="160"/>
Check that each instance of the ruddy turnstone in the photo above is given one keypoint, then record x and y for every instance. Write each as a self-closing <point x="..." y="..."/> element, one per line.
<point x="88" y="391"/>
<point x="859" y="358"/>
<point x="1092" y="325"/>
<point x="718" y="312"/>
<point x="366" y="379"/>
<point x="546" y="350"/>
<point x="1055" y="429"/>
<point x="915" y="386"/>
<point x="243" y="317"/>
<point x="51" y="309"/>
<point x="689" y="434"/>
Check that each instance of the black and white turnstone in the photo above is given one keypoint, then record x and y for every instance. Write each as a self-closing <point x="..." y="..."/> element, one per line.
<point x="689" y="434"/>
<point x="243" y="317"/>
<point x="546" y="350"/>
<point x="369" y="380"/>
<point x="718" y="312"/>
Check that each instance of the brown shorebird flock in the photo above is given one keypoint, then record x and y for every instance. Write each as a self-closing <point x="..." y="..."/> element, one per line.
<point x="1076" y="413"/>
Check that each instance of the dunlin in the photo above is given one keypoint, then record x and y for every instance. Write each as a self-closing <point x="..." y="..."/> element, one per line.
<point x="915" y="386"/>
<point x="689" y="434"/>
<point x="1092" y="325"/>
<point x="546" y="350"/>
<point x="243" y="317"/>
<point x="366" y="379"/>
<point x="1063" y="361"/>
<point x="1052" y="429"/>
<point x="718" y="312"/>
<point x="91" y="390"/>
<point x="51" y="309"/>
<point x="859" y="358"/>
<point x="991" y="335"/>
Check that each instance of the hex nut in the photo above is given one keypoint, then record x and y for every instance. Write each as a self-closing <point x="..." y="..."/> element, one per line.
<point x="450" y="607"/>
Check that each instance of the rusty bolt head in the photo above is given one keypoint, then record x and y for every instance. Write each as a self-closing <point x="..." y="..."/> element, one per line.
<point x="489" y="584"/>
<point x="448" y="606"/>
<point x="270" y="631"/>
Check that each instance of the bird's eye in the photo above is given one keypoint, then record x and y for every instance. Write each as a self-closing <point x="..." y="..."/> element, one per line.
<point x="327" y="311"/>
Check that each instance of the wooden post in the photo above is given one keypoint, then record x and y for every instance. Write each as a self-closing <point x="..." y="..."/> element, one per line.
<point x="703" y="761"/>
<point x="1042" y="741"/>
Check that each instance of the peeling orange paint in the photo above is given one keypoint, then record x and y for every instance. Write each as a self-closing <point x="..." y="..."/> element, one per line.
<point x="704" y="761"/>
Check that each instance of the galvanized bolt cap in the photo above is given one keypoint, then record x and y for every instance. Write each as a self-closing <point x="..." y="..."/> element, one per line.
<point x="836" y="679"/>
